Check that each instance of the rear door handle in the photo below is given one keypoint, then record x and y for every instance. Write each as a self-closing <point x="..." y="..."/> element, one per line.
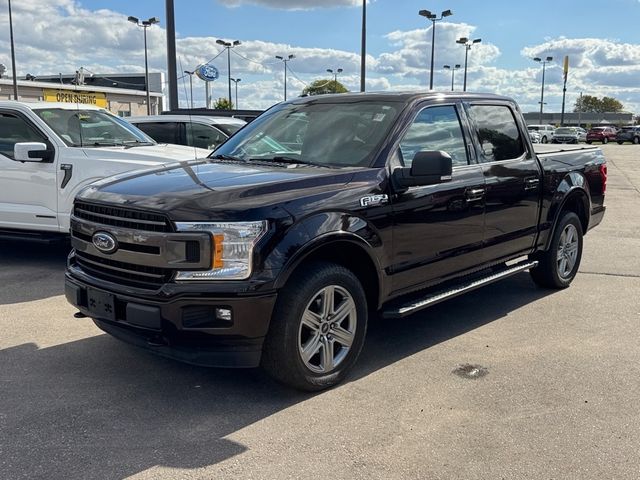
<point x="474" y="194"/>
<point x="531" y="183"/>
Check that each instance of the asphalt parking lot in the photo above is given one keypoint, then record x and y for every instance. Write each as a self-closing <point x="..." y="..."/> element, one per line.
<point x="559" y="400"/>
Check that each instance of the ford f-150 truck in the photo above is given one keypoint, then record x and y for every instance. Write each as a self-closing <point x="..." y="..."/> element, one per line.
<point x="276" y="249"/>
<point x="50" y="151"/>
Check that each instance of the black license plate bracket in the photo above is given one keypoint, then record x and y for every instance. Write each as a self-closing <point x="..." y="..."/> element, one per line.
<point x="101" y="304"/>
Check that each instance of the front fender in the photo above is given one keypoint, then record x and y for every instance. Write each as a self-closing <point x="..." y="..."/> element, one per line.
<point x="322" y="230"/>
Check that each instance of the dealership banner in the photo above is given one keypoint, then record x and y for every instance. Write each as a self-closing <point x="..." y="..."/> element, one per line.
<point x="72" y="96"/>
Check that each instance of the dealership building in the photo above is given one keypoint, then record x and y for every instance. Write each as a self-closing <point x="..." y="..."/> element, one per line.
<point x="122" y="94"/>
<point x="574" y="119"/>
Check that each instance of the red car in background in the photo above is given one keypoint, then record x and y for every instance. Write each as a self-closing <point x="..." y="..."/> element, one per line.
<point x="601" y="134"/>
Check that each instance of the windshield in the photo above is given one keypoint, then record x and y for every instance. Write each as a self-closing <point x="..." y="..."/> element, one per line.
<point x="565" y="131"/>
<point x="92" y="128"/>
<point x="533" y="128"/>
<point x="328" y="134"/>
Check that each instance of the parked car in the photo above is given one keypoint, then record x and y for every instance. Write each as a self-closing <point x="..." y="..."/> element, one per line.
<point x="277" y="254"/>
<point x="568" y="135"/>
<point x="628" y="134"/>
<point x="196" y="131"/>
<point x="50" y="151"/>
<point x="545" y="131"/>
<point x="534" y="136"/>
<point x="601" y="134"/>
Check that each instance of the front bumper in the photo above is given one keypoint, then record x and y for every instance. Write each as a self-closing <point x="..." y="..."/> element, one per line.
<point x="183" y="327"/>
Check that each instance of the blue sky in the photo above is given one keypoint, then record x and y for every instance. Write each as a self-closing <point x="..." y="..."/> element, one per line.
<point x="599" y="36"/>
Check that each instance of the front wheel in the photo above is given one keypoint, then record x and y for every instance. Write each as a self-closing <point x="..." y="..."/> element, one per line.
<point x="620" y="142"/>
<point x="636" y="140"/>
<point x="559" y="265"/>
<point x="544" y="140"/>
<point x="318" y="328"/>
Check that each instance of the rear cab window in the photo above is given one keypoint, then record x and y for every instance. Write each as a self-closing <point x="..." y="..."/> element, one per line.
<point x="497" y="132"/>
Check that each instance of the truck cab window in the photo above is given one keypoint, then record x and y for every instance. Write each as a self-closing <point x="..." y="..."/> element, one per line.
<point x="435" y="128"/>
<point x="203" y="136"/>
<point x="497" y="131"/>
<point x="14" y="130"/>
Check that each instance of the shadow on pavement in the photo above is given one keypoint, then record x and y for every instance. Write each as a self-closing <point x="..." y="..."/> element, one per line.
<point x="31" y="271"/>
<point x="97" y="408"/>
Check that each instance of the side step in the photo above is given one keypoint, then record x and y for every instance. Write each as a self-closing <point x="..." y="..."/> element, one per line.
<point x="433" y="297"/>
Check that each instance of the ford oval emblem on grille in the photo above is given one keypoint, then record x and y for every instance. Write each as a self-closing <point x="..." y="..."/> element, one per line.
<point x="105" y="242"/>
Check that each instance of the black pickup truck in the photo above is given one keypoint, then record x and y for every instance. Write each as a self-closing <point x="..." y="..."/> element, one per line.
<point x="276" y="249"/>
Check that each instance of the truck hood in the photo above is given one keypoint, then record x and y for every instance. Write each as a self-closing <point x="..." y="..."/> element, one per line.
<point x="147" y="154"/>
<point x="205" y="190"/>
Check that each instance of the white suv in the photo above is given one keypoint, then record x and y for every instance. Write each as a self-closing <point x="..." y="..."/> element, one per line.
<point x="545" y="131"/>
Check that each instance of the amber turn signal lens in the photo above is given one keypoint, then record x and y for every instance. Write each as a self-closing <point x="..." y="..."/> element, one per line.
<point x="217" y="251"/>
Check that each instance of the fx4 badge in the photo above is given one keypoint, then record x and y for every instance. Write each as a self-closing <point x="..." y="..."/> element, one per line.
<point x="373" y="200"/>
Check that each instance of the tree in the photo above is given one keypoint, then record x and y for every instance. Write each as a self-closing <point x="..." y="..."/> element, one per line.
<point x="591" y="104"/>
<point x="324" y="86"/>
<point x="223" y="104"/>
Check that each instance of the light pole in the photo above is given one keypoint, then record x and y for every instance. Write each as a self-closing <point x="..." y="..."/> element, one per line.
<point x="335" y="73"/>
<point x="190" y="85"/>
<point x="363" y="47"/>
<point x="434" y="18"/>
<point x="236" y="80"/>
<point x="453" y="71"/>
<point x="145" y="24"/>
<point x="467" y="46"/>
<point x="285" y="60"/>
<point x="13" y="56"/>
<point x="229" y="46"/>
<point x="544" y="64"/>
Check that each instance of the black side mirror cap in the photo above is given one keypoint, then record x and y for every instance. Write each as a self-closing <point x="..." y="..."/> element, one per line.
<point x="427" y="168"/>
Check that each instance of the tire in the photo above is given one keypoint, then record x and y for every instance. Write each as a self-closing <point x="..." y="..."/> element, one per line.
<point x="605" y="140"/>
<point x="620" y="142"/>
<point x="636" y="140"/>
<point x="567" y="241"/>
<point x="543" y="139"/>
<point x="589" y="142"/>
<point x="304" y="296"/>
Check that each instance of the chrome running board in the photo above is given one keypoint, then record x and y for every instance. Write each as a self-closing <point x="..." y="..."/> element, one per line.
<point x="402" y="310"/>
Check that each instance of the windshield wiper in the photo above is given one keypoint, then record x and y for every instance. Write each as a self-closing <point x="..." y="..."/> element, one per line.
<point x="224" y="156"/>
<point x="289" y="160"/>
<point x="102" y="144"/>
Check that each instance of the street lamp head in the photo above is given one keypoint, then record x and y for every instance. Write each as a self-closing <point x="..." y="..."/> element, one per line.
<point x="291" y="56"/>
<point x="329" y="70"/>
<point x="279" y="57"/>
<point x="133" y="20"/>
<point x="236" y="43"/>
<point x="477" y="40"/>
<point x="447" y="67"/>
<point x="462" y="40"/>
<point x="537" y="59"/>
<point x="457" y="65"/>
<point x="549" y="59"/>
<point x="425" y="13"/>
<point x="447" y="13"/>
<point x="340" y="70"/>
<point x="223" y="43"/>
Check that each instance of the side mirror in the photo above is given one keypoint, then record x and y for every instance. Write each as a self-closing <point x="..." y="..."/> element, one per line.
<point x="427" y="168"/>
<point x="31" y="152"/>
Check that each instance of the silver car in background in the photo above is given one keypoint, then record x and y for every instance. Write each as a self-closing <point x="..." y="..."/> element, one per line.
<point x="569" y="135"/>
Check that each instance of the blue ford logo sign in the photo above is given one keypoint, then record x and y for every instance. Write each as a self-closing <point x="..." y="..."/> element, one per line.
<point x="207" y="72"/>
<point x="105" y="242"/>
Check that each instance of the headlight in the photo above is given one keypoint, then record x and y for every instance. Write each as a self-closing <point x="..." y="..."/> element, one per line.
<point x="232" y="249"/>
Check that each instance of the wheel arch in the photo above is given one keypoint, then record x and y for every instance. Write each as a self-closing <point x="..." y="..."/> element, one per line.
<point x="575" y="199"/>
<point x="346" y="249"/>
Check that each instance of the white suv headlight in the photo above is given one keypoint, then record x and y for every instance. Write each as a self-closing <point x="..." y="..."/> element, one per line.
<point x="232" y="249"/>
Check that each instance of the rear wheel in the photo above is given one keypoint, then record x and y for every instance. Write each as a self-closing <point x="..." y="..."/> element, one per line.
<point x="318" y="328"/>
<point x="620" y="142"/>
<point x="544" y="139"/>
<point x="559" y="265"/>
<point x="605" y="140"/>
<point x="589" y="142"/>
<point x="636" y="140"/>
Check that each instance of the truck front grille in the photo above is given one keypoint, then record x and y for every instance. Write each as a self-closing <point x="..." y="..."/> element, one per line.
<point x="139" y="276"/>
<point x="122" y="217"/>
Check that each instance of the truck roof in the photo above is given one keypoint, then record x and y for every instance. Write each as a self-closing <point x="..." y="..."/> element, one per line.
<point x="403" y="97"/>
